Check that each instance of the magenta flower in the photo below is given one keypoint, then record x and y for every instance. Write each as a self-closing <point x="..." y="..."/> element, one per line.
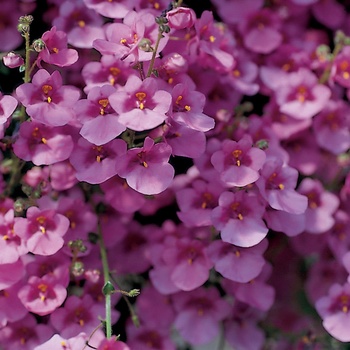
<point x="146" y="169"/>
<point x="301" y="96"/>
<point x="187" y="109"/>
<point x="12" y="247"/>
<point x="56" y="342"/>
<point x="42" y="295"/>
<point x="332" y="127"/>
<point x="131" y="39"/>
<point x="113" y="344"/>
<point x="111" y="9"/>
<point x="100" y="121"/>
<point x="199" y="314"/>
<point x="46" y="100"/>
<point x="42" y="230"/>
<point x="8" y="105"/>
<point x="236" y="263"/>
<point x="55" y="51"/>
<point x="276" y="185"/>
<point x="341" y="67"/>
<point x="82" y="25"/>
<point x="335" y="311"/>
<point x="238" y="217"/>
<point x="42" y="144"/>
<point x="25" y="332"/>
<point x="96" y="164"/>
<point x="321" y="206"/>
<point x="11" y="273"/>
<point x="238" y="162"/>
<point x="140" y="105"/>
<point x="9" y="14"/>
<point x="261" y="31"/>
<point x="78" y="315"/>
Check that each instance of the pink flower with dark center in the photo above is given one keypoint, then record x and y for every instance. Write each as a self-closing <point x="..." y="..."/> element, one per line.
<point x="55" y="51"/>
<point x="100" y="121"/>
<point x="8" y="105"/>
<point x="42" y="230"/>
<point x="11" y="245"/>
<point x="301" y="96"/>
<point x="261" y="31"/>
<point x="131" y="40"/>
<point x="25" y="333"/>
<point x="46" y="100"/>
<point x="236" y="263"/>
<point x="42" y="144"/>
<point x="239" y="218"/>
<point x="78" y="315"/>
<point x="199" y="314"/>
<point x="146" y="169"/>
<point x="187" y="109"/>
<point x="82" y="25"/>
<point x="238" y="162"/>
<point x="96" y="164"/>
<point x="42" y="295"/>
<point x="321" y="206"/>
<point x="335" y="311"/>
<point x="276" y="185"/>
<point x="332" y="127"/>
<point x="140" y="105"/>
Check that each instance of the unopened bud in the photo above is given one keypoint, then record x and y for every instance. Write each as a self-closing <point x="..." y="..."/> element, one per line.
<point x="39" y="45"/>
<point x="145" y="45"/>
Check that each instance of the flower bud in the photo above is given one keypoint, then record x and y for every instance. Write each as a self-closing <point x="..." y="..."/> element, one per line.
<point x="13" y="60"/>
<point x="38" y="45"/>
<point x="181" y="17"/>
<point x="175" y="63"/>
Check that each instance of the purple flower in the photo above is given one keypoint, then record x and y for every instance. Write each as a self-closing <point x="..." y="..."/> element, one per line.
<point x="146" y="169"/>
<point x="236" y="263"/>
<point x="42" y="230"/>
<point x="140" y="105"/>
<point x="42" y="295"/>
<point x="55" y="51"/>
<point x="276" y="185"/>
<point x="96" y="164"/>
<point x="238" y="162"/>
<point x="100" y="121"/>
<point x="335" y="311"/>
<point x="13" y="60"/>
<point x="187" y="109"/>
<point x="42" y="144"/>
<point x="111" y="9"/>
<point x="181" y="18"/>
<point x="8" y="105"/>
<point x="238" y="217"/>
<point x="199" y="314"/>
<point x="46" y="100"/>
<point x="301" y="96"/>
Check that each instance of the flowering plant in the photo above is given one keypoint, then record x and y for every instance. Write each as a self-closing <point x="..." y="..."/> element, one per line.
<point x="175" y="176"/>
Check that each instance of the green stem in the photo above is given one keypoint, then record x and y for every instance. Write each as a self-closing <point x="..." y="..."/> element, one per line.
<point x="27" y="58"/>
<point x="151" y="65"/>
<point x="106" y="274"/>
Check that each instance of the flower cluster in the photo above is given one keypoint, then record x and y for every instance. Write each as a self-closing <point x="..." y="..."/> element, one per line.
<point x="198" y="158"/>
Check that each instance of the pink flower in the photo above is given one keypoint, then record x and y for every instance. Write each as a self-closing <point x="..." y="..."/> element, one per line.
<point x="335" y="311"/>
<point x="238" y="217"/>
<point x="8" y="105"/>
<point x="301" y="96"/>
<point x="199" y="314"/>
<point x="146" y="169"/>
<point x="42" y="295"/>
<point x="238" y="162"/>
<point x="111" y="9"/>
<point x="46" y="100"/>
<point x="96" y="164"/>
<point x="140" y="105"/>
<point x="42" y="230"/>
<point x="42" y="144"/>
<point x="276" y="185"/>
